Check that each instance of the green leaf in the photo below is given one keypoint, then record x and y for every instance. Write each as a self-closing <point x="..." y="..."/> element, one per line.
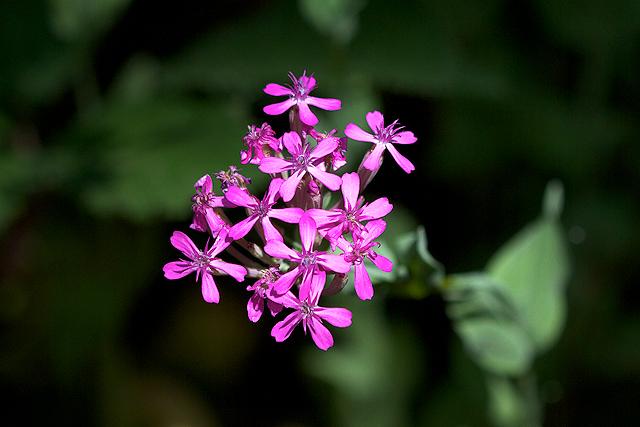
<point x="336" y="18"/>
<point x="77" y="19"/>
<point x="486" y="320"/>
<point x="498" y="346"/>
<point x="533" y="268"/>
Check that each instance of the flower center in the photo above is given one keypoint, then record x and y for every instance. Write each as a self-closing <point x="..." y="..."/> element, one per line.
<point x="202" y="260"/>
<point x="308" y="260"/>
<point x="306" y="309"/>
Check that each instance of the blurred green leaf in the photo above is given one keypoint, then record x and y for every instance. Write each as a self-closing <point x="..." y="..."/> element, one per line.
<point x="506" y="405"/>
<point x="533" y="268"/>
<point x="75" y="20"/>
<point x="336" y="18"/>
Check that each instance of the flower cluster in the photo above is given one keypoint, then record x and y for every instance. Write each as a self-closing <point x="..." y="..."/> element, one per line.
<point x="334" y="228"/>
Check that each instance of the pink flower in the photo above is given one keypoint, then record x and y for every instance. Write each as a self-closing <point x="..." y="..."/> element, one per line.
<point x="309" y="261"/>
<point x="298" y="93"/>
<point x="261" y="211"/>
<point x="257" y="140"/>
<point x="363" y="247"/>
<point x="338" y="157"/>
<point x="303" y="159"/>
<point x="203" y="263"/>
<point x="307" y="311"/>
<point x="204" y="203"/>
<point x="261" y="291"/>
<point x="383" y="137"/>
<point x="336" y="222"/>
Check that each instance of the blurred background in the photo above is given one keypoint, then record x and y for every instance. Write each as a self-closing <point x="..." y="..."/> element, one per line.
<point x="111" y="109"/>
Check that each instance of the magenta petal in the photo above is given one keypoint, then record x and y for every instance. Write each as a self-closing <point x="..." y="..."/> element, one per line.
<point x="289" y="187"/>
<point x="320" y="334"/>
<point x="323" y="217"/>
<point x="184" y="244"/>
<point x="404" y="163"/>
<point x="290" y="215"/>
<point x="375" y="120"/>
<point x="292" y="142"/>
<point x="373" y="158"/>
<point x="242" y="228"/>
<point x="274" y="307"/>
<point x="331" y="181"/>
<point x="324" y="148"/>
<point x="405" y="137"/>
<point x="350" y="189"/>
<point x="362" y="282"/>
<point x="275" y="89"/>
<point x="255" y="307"/>
<point x="287" y="300"/>
<point x="306" y="116"/>
<point x="241" y="197"/>
<point x="273" y="191"/>
<point x="236" y="271"/>
<point x="282" y="330"/>
<point x="278" y="108"/>
<point x="270" y="232"/>
<point x="209" y="289"/>
<point x="278" y="249"/>
<point x="353" y="131"/>
<point x="340" y="317"/>
<point x="373" y="229"/>
<point x="177" y="269"/>
<point x="376" y="209"/>
<point x="308" y="232"/>
<point x="274" y="165"/>
<point x="334" y="263"/>
<point x="382" y="262"/>
<point x="329" y="104"/>
<point x="204" y="184"/>
<point x="285" y="282"/>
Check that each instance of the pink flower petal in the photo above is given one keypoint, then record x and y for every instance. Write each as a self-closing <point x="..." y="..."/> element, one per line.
<point x="404" y="163"/>
<point x="209" y="289"/>
<point x="273" y="192"/>
<point x="292" y="142"/>
<point x="334" y="262"/>
<point x="308" y="232"/>
<point x="320" y="334"/>
<point x="274" y="165"/>
<point x="362" y="282"/>
<point x="275" y="89"/>
<point x="306" y="116"/>
<point x="242" y="228"/>
<point x="241" y="197"/>
<point x="340" y="317"/>
<point x="285" y="282"/>
<point x="289" y="187"/>
<point x="373" y="159"/>
<point x="287" y="300"/>
<point x="353" y="131"/>
<point x="375" y="120"/>
<point x="376" y="209"/>
<point x="184" y="244"/>
<point x="290" y="215"/>
<point x="329" y="104"/>
<point x="331" y="181"/>
<point x="270" y="232"/>
<point x="405" y="137"/>
<point x="255" y="307"/>
<point x="282" y="330"/>
<point x="274" y="307"/>
<point x="278" y="108"/>
<point x="278" y="249"/>
<point x="324" y="148"/>
<point x="323" y="217"/>
<point x="313" y="281"/>
<point x="236" y="271"/>
<point x="373" y="230"/>
<point x="382" y="262"/>
<point x="177" y="269"/>
<point x="350" y="189"/>
<point x="204" y="184"/>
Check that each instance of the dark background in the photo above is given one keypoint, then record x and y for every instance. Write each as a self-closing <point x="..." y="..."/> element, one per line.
<point x="111" y="109"/>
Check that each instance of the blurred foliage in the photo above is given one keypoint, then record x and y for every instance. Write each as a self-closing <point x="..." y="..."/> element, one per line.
<point x="110" y="110"/>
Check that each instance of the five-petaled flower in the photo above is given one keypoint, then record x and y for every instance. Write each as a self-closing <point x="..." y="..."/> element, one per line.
<point x="298" y="92"/>
<point x="203" y="263"/>
<point x="261" y="292"/>
<point x="383" y="137"/>
<point x="204" y="204"/>
<point x="310" y="314"/>
<point x="303" y="159"/>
